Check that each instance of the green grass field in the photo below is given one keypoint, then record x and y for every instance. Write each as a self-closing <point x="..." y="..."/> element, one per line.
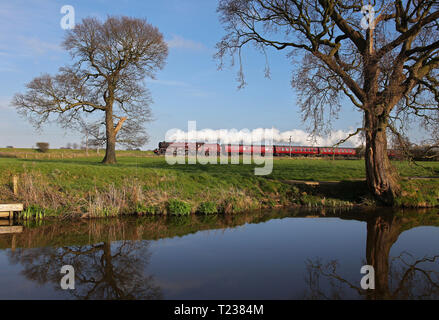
<point x="147" y="184"/>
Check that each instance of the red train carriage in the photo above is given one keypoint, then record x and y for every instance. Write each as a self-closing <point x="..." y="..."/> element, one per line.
<point x="392" y="154"/>
<point x="209" y="148"/>
<point x="287" y="150"/>
<point x="338" y="151"/>
<point x="182" y="148"/>
<point x="234" y="148"/>
<point x="262" y="150"/>
<point x="247" y="149"/>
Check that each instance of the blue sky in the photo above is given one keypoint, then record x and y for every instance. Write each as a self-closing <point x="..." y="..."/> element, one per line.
<point x="189" y="88"/>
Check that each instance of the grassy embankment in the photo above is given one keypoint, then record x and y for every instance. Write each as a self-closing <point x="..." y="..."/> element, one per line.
<point x="63" y="185"/>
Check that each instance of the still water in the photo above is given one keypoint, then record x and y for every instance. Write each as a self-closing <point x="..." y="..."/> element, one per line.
<point x="263" y="255"/>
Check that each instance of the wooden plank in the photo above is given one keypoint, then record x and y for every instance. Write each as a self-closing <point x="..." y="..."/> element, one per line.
<point x="11" y="229"/>
<point x="11" y="207"/>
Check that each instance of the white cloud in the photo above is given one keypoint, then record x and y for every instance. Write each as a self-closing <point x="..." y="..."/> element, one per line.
<point x="298" y="137"/>
<point x="182" y="43"/>
<point x="38" y="46"/>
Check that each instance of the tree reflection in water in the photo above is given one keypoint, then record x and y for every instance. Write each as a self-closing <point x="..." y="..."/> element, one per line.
<point x="400" y="277"/>
<point x="107" y="270"/>
<point x="110" y="257"/>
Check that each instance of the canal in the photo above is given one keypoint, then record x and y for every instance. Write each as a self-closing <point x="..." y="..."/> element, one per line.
<point x="279" y="254"/>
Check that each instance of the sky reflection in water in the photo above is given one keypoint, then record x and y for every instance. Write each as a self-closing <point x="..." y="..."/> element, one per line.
<point x="269" y="255"/>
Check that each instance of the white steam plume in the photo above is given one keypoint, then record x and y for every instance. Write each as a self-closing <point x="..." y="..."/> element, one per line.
<point x="298" y="137"/>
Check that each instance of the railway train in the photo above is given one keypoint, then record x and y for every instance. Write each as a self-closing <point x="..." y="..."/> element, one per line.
<point x="276" y="150"/>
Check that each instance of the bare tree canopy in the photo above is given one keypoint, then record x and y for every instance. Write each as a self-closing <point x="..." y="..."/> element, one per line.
<point x="111" y="60"/>
<point x="386" y="65"/>
<point x="131" y="135"/>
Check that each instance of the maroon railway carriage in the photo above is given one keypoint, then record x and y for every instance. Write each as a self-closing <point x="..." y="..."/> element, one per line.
<point x="392" y="154"/>
<point x="210" y="148"/>
<point x="313" y="151"/>
<point x="247" y="149"/>
<point x="287" y="150"/>
<point x="338" y="151"/>
<point x="181" y="148"/>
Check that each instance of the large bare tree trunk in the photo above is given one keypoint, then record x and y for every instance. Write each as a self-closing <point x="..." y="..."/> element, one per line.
<point x="381" y="176"/>
<point x="110" y="151"/>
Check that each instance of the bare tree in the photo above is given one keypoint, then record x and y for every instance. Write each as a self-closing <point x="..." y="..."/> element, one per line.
<point x="131" y="135"/>
<point x="404" y="276"/>
<point x="104" y="271"/>
<point x="96" y="135"/>
<point x="386" y="66"/>
<point x="111" y="60"/>
<point x="86" y="131"/>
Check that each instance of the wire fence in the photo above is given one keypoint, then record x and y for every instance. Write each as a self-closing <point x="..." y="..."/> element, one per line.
<point x="68" y="155"/>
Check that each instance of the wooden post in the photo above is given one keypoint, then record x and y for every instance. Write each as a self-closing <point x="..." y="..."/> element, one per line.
<point x="11" y="216"/>
<point x="15" y="185"/>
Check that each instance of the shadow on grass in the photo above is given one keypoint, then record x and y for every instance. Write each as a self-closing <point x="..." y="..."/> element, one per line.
<point x="352" y="191"/>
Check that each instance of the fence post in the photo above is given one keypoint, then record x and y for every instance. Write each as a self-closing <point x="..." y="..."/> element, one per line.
<point x="15" y="185"/>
